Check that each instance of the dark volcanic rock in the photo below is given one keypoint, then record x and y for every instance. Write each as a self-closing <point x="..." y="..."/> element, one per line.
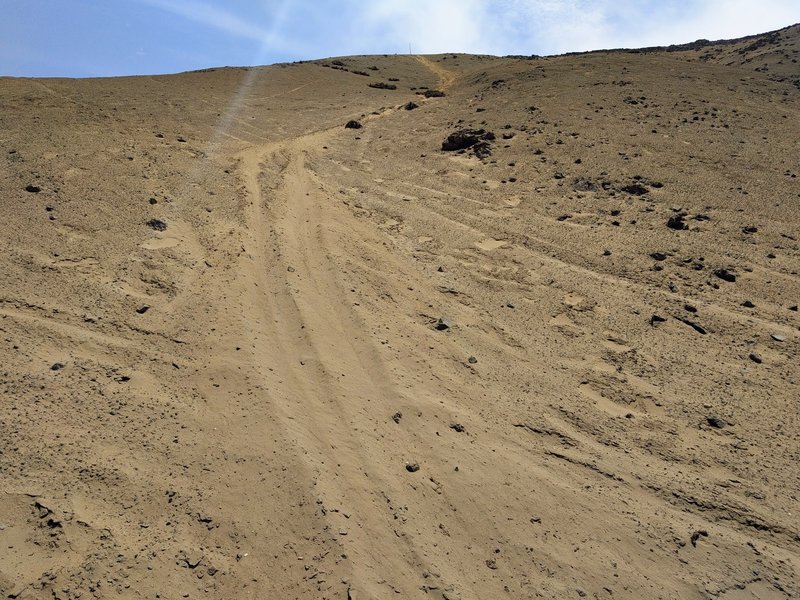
<point x="466" y="138"/>
<point x="676" y="222"/>
<point x="157" y="224"/>
<point x="353" y="125"/>
<point x="433" y="93"/>
<point x="635" y="189"/>
<point x="725" y="275"/>
<point x="410" y="105"/>
<point x="442" y="324"/>
<point x="585" y="185"/>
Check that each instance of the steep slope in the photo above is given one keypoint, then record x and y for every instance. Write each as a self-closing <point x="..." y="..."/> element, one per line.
<point x="250" y="353"/>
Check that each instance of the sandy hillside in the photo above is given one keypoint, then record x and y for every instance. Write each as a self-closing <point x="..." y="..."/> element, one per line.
<point x="248" y="352"/>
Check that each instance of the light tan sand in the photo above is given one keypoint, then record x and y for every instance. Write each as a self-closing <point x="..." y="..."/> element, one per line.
<point x="253" y="433"/>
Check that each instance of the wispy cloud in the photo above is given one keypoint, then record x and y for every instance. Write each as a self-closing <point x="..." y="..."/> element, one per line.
<point x="267" y="35"/>
<point x="305" y="29"/>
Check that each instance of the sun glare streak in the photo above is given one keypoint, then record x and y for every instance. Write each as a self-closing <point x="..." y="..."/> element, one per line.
<point x="237" y="101"/>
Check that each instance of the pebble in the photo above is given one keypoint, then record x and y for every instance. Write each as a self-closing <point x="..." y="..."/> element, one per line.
<point x="778" y="337"/>
<point x="442" y="324"/>
<point x="472" y="360"/>
<point x="716" y="422"/>
<point x="725" y="275"/>
<point x="412" y="467"/>
<point x="756" y="358"/>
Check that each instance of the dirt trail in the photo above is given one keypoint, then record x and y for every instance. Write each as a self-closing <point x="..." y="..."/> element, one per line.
<point x="316" y="340"/>
<point x="447" y="78"/>
<point x="334" y="390"/>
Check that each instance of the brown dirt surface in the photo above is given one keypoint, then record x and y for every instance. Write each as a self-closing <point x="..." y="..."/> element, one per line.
<point x="250" y="353"/>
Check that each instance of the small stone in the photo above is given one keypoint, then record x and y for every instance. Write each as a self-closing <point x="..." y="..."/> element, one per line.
<point x="689" y="308"/>
<point x="33" y="189"/>
<point x="676" y="222"/>
<point x="756" y="358"/>
<point x="472" y="360"/>
<point x="442" y="324"/>
<point x="716" y="422"/>
<point x="778" y="337"/>
<point x="748" y="304"/>
<point x="157" y="224"/>
<point x="659" y="256"/>
<point x="143" y="309"/>
<point x="725" y="275"/>
<point x="353" y="125"/>
<point x="749" y="229"/>
<point x="57" y="366"/>
<point x="410" y="105"/>
<point x="697" y="535"/>
<point x="412" y="467"/>
<point x="491" y="563"/>
<point x="656" y="319"/>
<point x="458" y="427"/>
<point x="397" y="416"/>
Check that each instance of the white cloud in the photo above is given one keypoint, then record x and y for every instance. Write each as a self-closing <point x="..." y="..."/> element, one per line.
<point x="219" y="18"/>
<point x="304" y="29"/>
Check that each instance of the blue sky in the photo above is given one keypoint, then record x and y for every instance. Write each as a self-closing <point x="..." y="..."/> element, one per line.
<point x="85" y="38"/>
